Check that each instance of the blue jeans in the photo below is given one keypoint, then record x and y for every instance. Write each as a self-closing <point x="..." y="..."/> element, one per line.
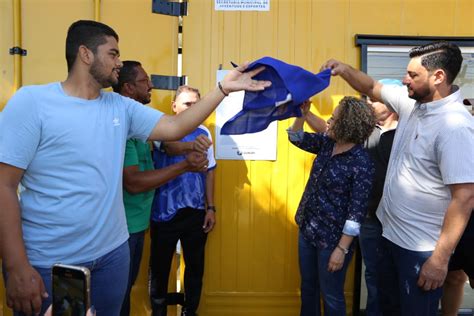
<point x="370" y="241"/>
<point x="399" y="274"/>
<point x="109" y="276"/>
<point x="135" y="244"/>
<point x="316" y="280"/>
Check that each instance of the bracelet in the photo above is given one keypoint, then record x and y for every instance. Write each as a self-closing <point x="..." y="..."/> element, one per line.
<point x="346" y="251"/>
<point x="222" y="89"/>
<point x="212" y="208"/>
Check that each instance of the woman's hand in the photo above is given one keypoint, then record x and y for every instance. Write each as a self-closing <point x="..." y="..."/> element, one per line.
<point x="336" y="261"/>
<point x="305" y="106"/>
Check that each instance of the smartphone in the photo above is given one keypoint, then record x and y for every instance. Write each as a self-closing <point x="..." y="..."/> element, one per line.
<point x="71" y="290"/>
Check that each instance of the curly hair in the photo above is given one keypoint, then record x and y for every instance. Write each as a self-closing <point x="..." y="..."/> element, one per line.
<point x="355" y="122"/>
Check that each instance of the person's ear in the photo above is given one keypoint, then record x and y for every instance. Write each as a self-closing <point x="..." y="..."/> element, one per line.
<point x="85" y="55"/>
<point x="439" y="76"/>
<point x="173" y="106"/>
<point x="128" y="89"/>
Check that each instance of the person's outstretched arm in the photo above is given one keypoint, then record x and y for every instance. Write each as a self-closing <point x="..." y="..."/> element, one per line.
<point x="173" y="127"/>
<point x="358" y="80"/>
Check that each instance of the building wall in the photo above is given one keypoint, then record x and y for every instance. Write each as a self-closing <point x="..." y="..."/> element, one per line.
<point x="251" y="261"/>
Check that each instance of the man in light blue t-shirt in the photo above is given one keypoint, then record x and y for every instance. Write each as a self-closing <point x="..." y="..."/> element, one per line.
<point x="65" y="143"/>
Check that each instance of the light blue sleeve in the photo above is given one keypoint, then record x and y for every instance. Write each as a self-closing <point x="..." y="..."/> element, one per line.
<point x="396" y="98"/>
<point x="142" y="119"/>
<point x="20" y="130"/>
<point x="295" y="136"/>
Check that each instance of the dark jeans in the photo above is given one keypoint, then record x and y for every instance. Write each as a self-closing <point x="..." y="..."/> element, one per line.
<point x="109" y="275"/>
<point x="370" y="241"/>
<point x="186" y="226"/>
<point x="316" y="280"/>
<point x="135" y="244"/>
<point x="399" y="274"/>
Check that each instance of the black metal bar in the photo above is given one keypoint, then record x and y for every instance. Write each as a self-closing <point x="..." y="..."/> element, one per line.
<point x="399" y="40"/>
<point x="161" y="82"/>
<point x="170" y="8"/>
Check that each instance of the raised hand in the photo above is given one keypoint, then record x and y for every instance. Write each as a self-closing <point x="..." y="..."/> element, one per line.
<point x="237" y="79"/>
<point x="337" y="67"/>
<point x="305" y="106"/>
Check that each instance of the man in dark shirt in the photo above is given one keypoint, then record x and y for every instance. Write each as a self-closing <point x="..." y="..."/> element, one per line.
<point x="379" y="146"/>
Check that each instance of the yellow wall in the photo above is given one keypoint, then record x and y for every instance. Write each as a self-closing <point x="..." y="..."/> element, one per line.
<point x="251" y="261"/>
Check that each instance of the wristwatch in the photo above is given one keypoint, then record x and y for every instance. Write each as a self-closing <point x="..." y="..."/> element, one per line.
<point x="211" y="207"/>
<point x="344" y="250"/>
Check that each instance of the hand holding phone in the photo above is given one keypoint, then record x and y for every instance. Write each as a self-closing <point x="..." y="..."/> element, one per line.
<point x="71" y="290"/>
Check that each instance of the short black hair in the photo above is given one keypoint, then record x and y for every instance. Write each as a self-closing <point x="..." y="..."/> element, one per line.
<point x="88" y="33"/>
<point x="128" y="73"/>
<point x="440" y="55"/>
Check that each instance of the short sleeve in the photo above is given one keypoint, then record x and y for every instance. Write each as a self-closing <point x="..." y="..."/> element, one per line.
<point x="20" y="130"/>
<point x="142" y="119"/>
<point x="131" y="155"/>
<point x="396" y="98"/>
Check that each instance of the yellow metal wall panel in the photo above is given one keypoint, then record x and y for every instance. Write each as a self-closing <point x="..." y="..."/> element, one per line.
<point x="146" y="37"/>
<point x="44" y="29"/>
<point x="6" y="60"/>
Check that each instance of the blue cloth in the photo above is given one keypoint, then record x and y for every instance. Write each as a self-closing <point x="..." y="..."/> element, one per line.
<point x="316" y="280"/>
<point x="260" y="107"/>
<point x="399" y="273"/>
<point x="337" y="191"/>
<point x="186" y="190"/>
<point x="72" y="151"/>
<point x="109" y="275"/>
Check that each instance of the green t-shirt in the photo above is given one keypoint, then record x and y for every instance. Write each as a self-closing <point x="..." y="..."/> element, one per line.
<point x="138" y="206"/>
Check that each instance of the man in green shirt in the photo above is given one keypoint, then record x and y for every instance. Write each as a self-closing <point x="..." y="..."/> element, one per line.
<point x="139" y="177"/>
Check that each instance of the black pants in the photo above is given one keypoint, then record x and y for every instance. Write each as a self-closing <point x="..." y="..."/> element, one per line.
<point x="187" y="227"/>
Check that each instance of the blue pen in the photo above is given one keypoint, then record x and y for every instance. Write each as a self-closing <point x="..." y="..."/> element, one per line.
<point x="234" y="64"/>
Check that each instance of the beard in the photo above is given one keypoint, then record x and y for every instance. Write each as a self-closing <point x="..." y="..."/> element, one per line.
<point x="96" y="71"/>
<point x="421" y="94"/>
<point x="144" y="98"/>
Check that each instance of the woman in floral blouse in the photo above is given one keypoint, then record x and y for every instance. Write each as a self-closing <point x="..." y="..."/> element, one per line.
<point x="334" y="202"/>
